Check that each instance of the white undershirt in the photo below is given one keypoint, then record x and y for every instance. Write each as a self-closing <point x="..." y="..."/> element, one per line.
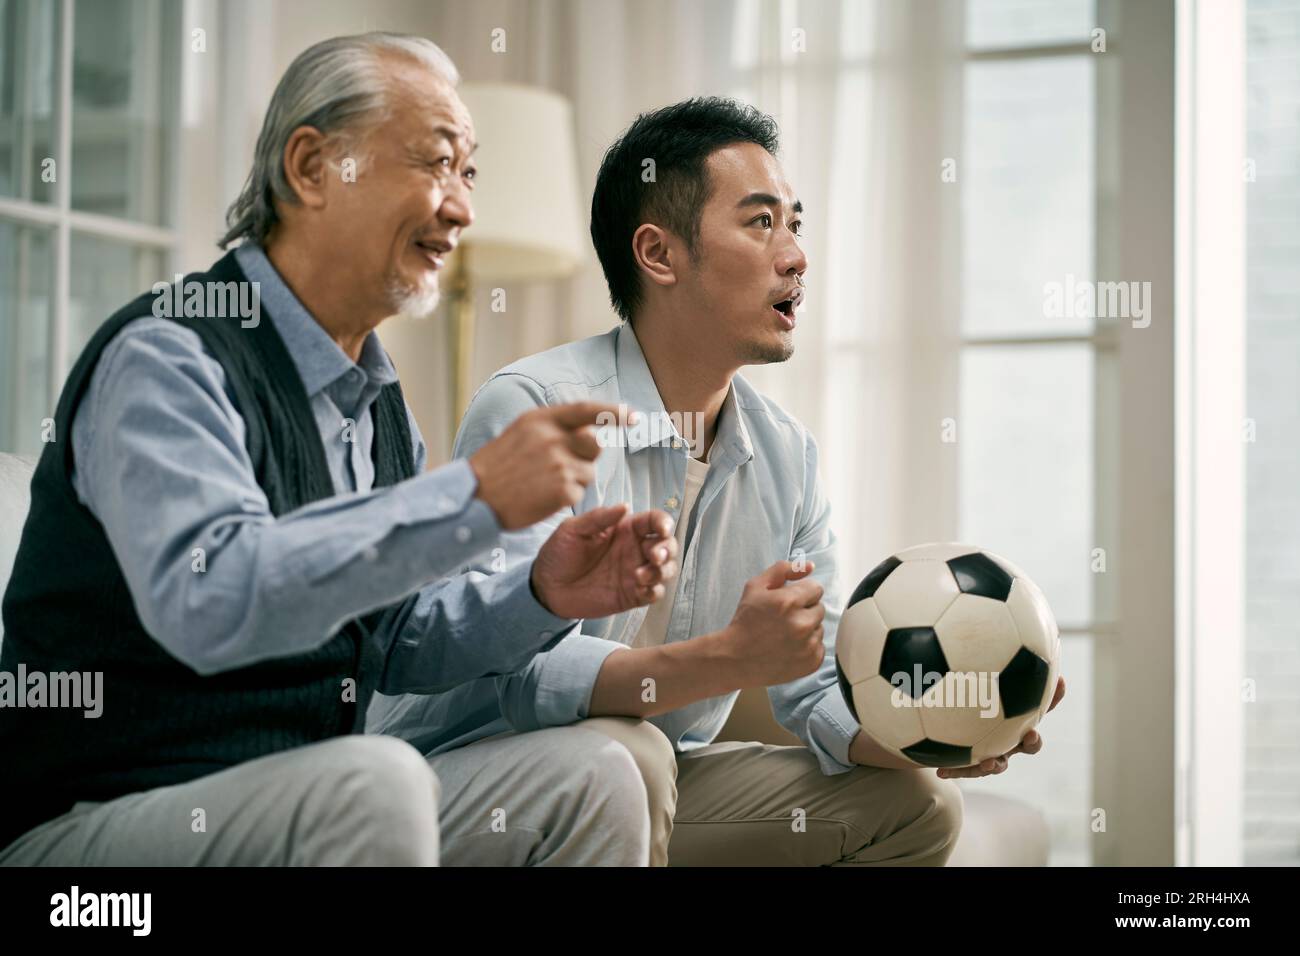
<point x="654" y="629"/>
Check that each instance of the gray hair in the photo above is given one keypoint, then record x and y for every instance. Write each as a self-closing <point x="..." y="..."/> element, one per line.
<point x="336" y="86"/>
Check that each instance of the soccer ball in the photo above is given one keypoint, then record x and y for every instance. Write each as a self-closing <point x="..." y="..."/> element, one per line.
<point x="947" y="655"/>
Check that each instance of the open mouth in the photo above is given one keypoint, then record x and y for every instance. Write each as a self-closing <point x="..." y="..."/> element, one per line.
<point x="786" y="308"/>
<point x="433" y="252"/>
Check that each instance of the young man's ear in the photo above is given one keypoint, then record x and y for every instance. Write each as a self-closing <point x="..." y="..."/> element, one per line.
<point x="306" y="166"/>
<point x="650" y="249"/>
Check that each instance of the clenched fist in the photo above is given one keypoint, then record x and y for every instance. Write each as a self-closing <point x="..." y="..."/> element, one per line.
<point x="775" y="635"/>
<point x="542" y="461"/>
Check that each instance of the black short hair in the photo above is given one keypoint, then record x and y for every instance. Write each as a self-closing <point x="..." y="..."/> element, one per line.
<point x="679" y="138"/>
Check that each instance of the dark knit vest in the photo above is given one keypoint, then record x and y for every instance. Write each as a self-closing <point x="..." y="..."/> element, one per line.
<point x="68" y="609"/>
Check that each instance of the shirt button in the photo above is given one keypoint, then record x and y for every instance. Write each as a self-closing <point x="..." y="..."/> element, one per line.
<point x="676" y="443"/>
<point x="463" y="534"/>
<point x="370" y="554"/>
<point x="671" y="503"/>
<point x="546" y="634"/>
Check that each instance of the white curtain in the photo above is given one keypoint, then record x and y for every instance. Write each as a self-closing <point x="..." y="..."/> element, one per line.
<point x="865" y="106"/>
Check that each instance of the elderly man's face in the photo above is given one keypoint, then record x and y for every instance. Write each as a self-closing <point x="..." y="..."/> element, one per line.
<point x="411" y="198"/>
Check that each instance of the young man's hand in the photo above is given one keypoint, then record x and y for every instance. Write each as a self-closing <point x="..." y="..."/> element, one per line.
<point x="776" y="633"/>
<point x="1031" y="744"/>
<point x="605" y="561"/>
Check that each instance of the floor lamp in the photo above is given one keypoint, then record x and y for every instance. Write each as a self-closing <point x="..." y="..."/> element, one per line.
<point x="527" y="224"/>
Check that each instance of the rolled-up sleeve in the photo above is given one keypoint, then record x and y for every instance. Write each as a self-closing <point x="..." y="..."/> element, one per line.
<point x="555" y="687"/>
<point x="812" y="707"/>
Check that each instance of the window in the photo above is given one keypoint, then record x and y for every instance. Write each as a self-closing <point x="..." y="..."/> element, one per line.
<point x="1028" y="418"/>
<point x="88" y="133"/>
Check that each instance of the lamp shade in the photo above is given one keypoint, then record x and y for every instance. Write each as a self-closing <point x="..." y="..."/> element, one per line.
<point x="526" y="206"/>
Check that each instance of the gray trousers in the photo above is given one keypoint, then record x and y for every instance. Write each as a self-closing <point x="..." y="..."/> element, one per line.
<point x="346" y="801"/>
<point x="566" y="796"/>
<point x="562" y="797"/>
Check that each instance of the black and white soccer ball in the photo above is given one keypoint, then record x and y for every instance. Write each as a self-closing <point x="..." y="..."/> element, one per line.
<point x="947" y="654"/>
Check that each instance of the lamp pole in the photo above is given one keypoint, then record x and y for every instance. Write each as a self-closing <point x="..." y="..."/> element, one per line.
<point x="461" y="335"/>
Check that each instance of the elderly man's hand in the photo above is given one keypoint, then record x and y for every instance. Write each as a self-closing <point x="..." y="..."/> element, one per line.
<point x="605" y="561"/>
<point x="1031" y="744"/>
<point x="543" y="461"/>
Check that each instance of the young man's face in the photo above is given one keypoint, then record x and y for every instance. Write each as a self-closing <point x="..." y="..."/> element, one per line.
<point x="747" y="271"/>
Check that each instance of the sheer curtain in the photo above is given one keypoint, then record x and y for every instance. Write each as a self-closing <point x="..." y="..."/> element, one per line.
<point x="857" y="90"/>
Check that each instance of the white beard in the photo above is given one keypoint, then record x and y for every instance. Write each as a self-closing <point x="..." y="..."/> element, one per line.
<point x="417" y="302"/>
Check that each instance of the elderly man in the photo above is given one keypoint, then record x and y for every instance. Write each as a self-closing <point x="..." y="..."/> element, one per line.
<point x="233" y="526"/>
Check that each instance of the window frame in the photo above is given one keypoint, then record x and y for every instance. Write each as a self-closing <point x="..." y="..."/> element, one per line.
<point x="63" y="220"/>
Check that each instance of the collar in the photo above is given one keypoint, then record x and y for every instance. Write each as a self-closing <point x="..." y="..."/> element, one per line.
<point x="637" y="389"/>
<point x="318" y="358"/>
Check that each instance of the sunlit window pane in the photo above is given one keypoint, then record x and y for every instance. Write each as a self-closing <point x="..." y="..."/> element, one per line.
<point x="1025" y="440"/>
<point x="106" y="275"/>
<point x="26" y="285"/>
<point x="123" y="84"/>
<point x="1028" y="196"/>
<point x="27" y="96"/>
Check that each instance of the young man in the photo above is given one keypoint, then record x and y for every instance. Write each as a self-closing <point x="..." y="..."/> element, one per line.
<point x="703" y="261"/>
<point x="234" y="532"/>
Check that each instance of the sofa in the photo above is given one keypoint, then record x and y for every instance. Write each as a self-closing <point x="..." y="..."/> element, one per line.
<point x="996" y="831"/>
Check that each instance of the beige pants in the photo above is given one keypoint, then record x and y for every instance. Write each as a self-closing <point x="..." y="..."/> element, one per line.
<point x="754" y="804"/>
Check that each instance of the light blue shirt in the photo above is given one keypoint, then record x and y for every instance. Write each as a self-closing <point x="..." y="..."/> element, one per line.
<point x="761" y="502"/>
<point x="220" y="582"/>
